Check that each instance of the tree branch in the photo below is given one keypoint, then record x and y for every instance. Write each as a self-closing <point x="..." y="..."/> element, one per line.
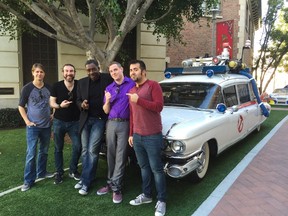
<point x="92" y="16"/>
<point x="162" y="16"/>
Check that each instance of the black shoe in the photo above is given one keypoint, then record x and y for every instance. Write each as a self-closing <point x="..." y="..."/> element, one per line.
<point x="58" y="179"/>
<point x="76" y="175"/>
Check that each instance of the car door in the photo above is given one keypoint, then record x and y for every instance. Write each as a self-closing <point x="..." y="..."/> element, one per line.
<point x="234" y="129"/>
<point x="248" y="107"/>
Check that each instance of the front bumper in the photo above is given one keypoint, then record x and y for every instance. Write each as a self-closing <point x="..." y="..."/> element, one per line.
<point x="180" y="170"/>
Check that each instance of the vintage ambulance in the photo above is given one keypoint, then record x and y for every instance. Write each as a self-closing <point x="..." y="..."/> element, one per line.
<point x="208" y="106"/>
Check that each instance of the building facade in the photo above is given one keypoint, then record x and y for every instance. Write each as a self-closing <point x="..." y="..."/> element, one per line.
<point x="17" y="57"/>
<point x="234" y="21"/>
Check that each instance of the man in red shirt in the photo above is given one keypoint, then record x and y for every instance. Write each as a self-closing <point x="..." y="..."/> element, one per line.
<point x="146" y="103"/>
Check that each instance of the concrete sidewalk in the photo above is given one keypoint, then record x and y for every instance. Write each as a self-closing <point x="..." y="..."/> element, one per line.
<point x="259" y="183"/>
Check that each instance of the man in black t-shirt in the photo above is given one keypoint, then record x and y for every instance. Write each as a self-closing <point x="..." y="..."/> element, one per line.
<point x="66" y="121"/>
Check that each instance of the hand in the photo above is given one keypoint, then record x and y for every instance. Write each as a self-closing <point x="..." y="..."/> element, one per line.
<point x="30" y="124"/>
<point x="85" y="105"/>
<point x="107" y="96"/>
<point x="65" y="104"/>
<point x="130" y="141"/>
<point x="133" y="97"/>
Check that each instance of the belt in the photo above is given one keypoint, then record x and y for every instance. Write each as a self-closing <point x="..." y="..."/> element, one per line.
<point x="119" y="119"/>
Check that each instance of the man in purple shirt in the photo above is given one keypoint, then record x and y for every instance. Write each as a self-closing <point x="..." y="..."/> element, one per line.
<point x="116" y="103"/>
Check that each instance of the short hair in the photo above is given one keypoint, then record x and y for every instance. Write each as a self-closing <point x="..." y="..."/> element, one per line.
<point x="92" y="61"/>
<point x="37" y="65"/>
<point x="68" y="65"/>
<point x="115" y="62"/>
<point x="140" y="62"/>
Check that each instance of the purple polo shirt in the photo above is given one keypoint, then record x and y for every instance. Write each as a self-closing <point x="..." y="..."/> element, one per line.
<point x="119" y="102"/>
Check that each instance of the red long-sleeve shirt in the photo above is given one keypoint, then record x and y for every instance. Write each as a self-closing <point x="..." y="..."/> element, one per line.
<point x="145" y="118"/>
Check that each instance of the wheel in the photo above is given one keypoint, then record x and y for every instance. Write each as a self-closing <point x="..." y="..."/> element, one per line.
<point x="198" y="174"/>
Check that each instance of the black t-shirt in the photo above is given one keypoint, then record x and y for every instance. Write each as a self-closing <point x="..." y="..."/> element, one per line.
<point x="95" y="100"/>
<point x="61" y="93"/>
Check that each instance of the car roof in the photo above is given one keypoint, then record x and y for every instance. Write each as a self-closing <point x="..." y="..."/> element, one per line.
<point x="219" y="79"/>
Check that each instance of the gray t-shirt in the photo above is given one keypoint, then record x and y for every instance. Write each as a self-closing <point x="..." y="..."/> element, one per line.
<point x="37" y="101"/>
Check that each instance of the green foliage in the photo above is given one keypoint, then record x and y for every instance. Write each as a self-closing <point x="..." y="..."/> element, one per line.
<point x="10" y="118"/>
<point x="170" y="25"/>
<point x="274" y="44"/>
<point x="78" y="22"/>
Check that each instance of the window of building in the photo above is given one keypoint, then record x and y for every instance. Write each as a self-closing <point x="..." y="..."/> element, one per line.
<point x="209" y="13"/>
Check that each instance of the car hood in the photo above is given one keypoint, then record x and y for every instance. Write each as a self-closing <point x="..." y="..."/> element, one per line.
<point x="181" y="121"/>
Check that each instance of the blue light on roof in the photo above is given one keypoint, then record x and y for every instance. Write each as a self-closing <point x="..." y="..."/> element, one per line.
<point x="210" y="73"/>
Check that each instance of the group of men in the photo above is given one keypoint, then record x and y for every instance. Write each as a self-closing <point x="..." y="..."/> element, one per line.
<point x="127" y="109"/>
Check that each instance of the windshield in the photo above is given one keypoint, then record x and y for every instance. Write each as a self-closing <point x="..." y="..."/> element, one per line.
<point x="198" y="95"/>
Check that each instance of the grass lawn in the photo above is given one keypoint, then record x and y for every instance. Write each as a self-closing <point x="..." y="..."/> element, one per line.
<point x="45" y="198"/>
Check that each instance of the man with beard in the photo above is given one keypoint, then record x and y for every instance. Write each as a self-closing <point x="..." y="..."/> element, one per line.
<point x="90" y="94"/>
<point x="146" y="103"/>
<point x="66" y="121"/>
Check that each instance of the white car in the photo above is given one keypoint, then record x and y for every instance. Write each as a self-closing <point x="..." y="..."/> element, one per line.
<point x="205" y="111"/>
<point x="280" y="96"/>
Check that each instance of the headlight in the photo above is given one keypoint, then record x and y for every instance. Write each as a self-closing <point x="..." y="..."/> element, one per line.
<point x="178" y="146"/>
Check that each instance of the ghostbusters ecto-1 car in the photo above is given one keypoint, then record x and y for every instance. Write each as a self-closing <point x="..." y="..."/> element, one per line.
<point x="207" y="108"/>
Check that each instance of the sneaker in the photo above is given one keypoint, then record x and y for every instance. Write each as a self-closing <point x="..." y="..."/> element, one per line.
<point x="117" y="197"/>
<point x="76" y="175"/>
<point x="160" y="208"/>
<point x="25" y="187"/>
<point x="58" y="179"/>
<point x="141" y="199"/>
<point x="78" y="185"/>
<point x="104" y="190"/>
<point x="47" y="175"/>
<point x="83" y="190"/>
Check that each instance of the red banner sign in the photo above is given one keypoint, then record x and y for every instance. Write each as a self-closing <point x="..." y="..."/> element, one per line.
<point x="224" y="34"/>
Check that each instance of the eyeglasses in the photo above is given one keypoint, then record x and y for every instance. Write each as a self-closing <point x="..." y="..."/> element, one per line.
<point x="117" y="90"/>
<point x="70" y="96"/>
<point x="40" y="94"/>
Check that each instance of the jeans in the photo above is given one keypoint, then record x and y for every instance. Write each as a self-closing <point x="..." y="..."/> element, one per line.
<point x="148" y="152"/>
<point x="117" y="145"/>
<point x="91" y="139"/>
<point x="33" y="135"/>
<point x="60" y="128"/>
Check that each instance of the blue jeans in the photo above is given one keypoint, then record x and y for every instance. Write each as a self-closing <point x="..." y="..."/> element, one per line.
<point x="60" y="128"/>
<point x="148" y="152"/>
<point x="91" y="139"/>
<point x="33" y="135"/>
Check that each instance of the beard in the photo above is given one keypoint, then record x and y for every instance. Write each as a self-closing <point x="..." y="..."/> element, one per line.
<point x="69" y="78"/>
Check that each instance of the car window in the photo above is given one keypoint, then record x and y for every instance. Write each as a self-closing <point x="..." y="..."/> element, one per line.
<point x="199" y="95"/>
<point x="243" y="91"/>
<point x="230" y="96"/>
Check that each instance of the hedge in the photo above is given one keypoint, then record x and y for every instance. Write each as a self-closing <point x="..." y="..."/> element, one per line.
<point x="10" y="118"/>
